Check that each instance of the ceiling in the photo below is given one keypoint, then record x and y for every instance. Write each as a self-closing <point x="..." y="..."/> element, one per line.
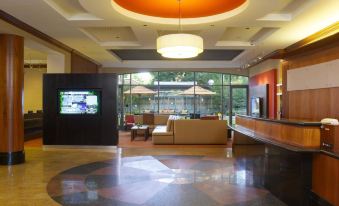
<point x="170" y="8"/>
<point x="95" y="28"/>
<point x="152" y="54"/>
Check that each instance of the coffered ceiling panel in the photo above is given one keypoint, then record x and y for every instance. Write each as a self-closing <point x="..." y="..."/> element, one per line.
<point x="94" y="27"/>
<point x="71" y="10"/>
<point x="110" y="34"/>
<point x="239" y="33"/>
<point x="165" y="32"/>
<point x="152" y="54"/>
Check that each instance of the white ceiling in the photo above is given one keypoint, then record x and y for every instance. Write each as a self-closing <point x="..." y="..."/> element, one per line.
<point x="93" y="26"/>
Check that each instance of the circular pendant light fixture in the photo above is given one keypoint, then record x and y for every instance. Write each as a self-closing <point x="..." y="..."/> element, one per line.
<point x="180" y="45"/>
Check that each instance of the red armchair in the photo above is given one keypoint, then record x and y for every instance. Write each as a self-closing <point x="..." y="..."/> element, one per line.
<point x="129" y="122"/>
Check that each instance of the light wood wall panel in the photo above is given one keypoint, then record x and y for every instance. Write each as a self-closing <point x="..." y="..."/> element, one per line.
<point x="318" y="90"/>
<point x="314" y="104"/>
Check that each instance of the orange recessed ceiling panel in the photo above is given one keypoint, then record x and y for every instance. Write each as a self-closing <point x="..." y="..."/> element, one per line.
<point x="189" y="8"/>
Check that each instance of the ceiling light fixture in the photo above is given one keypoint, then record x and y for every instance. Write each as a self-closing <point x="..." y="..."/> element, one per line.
<point x="180" y="45"/>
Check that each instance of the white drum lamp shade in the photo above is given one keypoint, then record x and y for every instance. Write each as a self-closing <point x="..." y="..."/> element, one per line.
<point x="180" y="46"/>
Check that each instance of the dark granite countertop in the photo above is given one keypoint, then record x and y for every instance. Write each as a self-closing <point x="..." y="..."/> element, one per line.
<point x="297" y="122"/>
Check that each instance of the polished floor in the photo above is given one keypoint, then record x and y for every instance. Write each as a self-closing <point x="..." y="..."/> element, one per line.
<point x="136" y="176"/>
<point x="125" y="142"/>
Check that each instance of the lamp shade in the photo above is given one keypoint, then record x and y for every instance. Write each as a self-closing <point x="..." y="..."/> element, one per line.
<point x="180" y="46"/>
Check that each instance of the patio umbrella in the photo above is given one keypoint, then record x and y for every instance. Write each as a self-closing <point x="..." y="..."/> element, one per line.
<point x="140" y="90"/>
<point x="198" y="91"/>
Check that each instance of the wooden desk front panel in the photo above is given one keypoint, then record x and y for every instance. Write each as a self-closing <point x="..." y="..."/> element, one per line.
<point x="245" y="122"/>
<point x="296" y="135"/>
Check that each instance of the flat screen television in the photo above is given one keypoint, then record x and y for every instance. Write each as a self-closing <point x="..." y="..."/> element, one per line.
<point x="81" y="102"/>
<point x="256" y="106"/>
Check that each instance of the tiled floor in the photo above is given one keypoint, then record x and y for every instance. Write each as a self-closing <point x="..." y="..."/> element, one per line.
<point x="135" y="176"/>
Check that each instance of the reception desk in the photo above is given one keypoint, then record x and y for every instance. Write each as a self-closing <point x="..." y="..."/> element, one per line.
<point x="303" y="135"/>
<point x="297" y="169"/>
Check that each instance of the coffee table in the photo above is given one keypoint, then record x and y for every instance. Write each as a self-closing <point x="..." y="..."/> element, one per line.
<point x="136" y="128"/>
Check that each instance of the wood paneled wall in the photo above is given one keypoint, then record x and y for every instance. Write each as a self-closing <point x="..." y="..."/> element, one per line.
<point x="312" y="104"/>
<point x="315" y="104"/>
<point x="80" y="64"/>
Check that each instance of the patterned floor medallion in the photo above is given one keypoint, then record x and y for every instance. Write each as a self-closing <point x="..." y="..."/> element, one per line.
<point x="161" y="180"/>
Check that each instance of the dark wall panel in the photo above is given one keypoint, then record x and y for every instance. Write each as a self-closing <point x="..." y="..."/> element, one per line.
<point x="80" y="129"/>
<point x="80" y="64"/>
<point x="261" y="91"/>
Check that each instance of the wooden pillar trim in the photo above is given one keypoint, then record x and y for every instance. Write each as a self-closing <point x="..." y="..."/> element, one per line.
<point x="11" y="102"/>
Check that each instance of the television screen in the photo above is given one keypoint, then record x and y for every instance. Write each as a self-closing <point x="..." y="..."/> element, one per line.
<point x="256" y="106"/>
<point x="79" y="102"/>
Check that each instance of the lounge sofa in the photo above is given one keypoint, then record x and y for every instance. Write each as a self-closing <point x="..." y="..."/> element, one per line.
<point x="159" y="119"/>
<point x="191" y="132"/>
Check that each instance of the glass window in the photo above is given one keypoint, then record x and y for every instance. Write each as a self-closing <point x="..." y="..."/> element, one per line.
<point x="126" y="103"/>
<point x="120" y="79"/>
<point x="208" y="100"/>
<point x="227" y="103"/>
<point x="127" y="79"/>
<point x="239" y="102"/>
<point x="226" y="79"/>
<point x="211" y="79"/>
<point x="141" y="99"/>
<point x="182" y="93"/>
<point x="176" y="76"/>
<point x="144" y="78"/>
<point x="176" y="99"/>
<point x="239" y="80"/>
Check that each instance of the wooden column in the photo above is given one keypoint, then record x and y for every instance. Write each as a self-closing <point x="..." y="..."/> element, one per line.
<point x="11" y="99"/>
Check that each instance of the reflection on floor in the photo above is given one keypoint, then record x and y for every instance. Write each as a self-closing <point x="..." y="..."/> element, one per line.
<point x="125" y="142"/>
<point x="34" y="143"/>
<point x="136" y="176"/>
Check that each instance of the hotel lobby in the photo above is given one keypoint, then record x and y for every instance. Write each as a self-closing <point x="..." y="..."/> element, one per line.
<point x="172" y="102"/>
